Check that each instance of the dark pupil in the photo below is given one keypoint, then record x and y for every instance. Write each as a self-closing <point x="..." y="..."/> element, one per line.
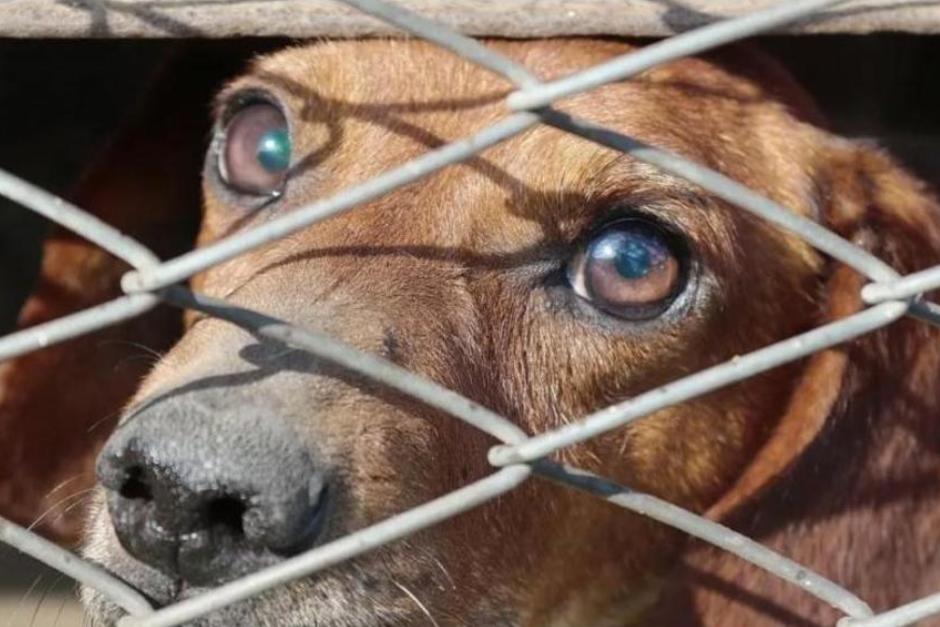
<point x="633" y="260"/>
<point x="274" y="150"/>
<point x="634" y="253"/>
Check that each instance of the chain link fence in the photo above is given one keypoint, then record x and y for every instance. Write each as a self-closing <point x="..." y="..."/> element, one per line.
<point x="519" y="457"/>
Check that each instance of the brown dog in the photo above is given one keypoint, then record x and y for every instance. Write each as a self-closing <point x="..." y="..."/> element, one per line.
<point x="547" y="278"/>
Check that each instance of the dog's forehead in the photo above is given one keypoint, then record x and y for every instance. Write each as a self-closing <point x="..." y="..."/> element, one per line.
<point x="364" y="107"/>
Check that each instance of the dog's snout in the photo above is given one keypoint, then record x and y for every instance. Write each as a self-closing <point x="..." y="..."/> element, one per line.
<point x="209" y="497"/>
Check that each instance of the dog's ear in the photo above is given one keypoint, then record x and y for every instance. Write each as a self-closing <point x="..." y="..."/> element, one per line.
<point x="853" y="460"/>
<point x="869" y="200"/>
<point x="58" y="405"/>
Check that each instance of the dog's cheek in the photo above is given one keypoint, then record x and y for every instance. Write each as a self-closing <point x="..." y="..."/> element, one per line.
<point x="389" y="458"/>
<point x="563" y="367"/>
<point x="690" y="454"/>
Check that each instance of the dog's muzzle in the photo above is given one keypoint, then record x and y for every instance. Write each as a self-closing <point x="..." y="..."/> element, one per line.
<point x="207" y="494"/>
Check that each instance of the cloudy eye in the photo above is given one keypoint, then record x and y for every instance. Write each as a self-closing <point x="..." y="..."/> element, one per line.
<point x="631" y="269"/>
<point x="255" y="152"/>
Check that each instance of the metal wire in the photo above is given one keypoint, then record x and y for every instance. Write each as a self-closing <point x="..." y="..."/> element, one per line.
<point x="71" y="217"/>
<point x="911" y="285"/>
<point x="339" y="550"/>
<point x="700" y="383"/>
<point x="710" y="532"/>
<point x="69" y="564"/>
<point x="684" y="45"/>
<point x="726" y="189"/>
<point x="905" y="615"/>
<point x="467" y="47"/>
<point x="350" y="358"/>
<point x="519" y="455"/>
<point x="189" y="264"/>
<point x="80" y="323"/>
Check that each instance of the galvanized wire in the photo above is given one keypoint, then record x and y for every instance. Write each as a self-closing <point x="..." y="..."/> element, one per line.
<point x="725" y="188"/>
<point x="702" y="382"/>
<point x="75" y="567"/>
<point x="74" y="325"/>
<point x="344" y="548"/>
<point x="709" y="531"/>
<point x="365" y="364"/>
<point x="187" y="265"/>
<point x="907" y="614"/>
<point x="684" y="45"/>
<point x="151" y="281"/>
<point x="911" y="285"/>
<point x="71" y="217"/>
<point x="466" y="47"/>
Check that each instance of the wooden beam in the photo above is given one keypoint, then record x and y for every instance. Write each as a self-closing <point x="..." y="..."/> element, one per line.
<point x="501" y="18"/>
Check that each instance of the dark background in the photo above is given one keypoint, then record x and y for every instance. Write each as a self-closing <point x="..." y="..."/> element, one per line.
<point x="61" y="100"/>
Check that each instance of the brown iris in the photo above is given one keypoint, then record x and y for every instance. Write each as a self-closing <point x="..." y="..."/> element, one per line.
<point x="256" y="153"/>
<point x="630" y="269"/>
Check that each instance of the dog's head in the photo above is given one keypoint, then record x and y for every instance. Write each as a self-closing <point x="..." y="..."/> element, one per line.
<point x="547" y="278"/>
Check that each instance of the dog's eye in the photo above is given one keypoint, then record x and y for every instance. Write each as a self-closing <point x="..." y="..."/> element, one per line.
<point x="256" y="150"/>
<point x="631" y="269"/>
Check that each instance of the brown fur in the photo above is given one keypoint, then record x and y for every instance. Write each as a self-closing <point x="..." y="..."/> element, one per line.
<point x="830" y="460"/>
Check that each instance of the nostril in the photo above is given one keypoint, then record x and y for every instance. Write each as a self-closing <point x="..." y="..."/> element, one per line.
<point x="227" y="512"/>
<point x="205" y="503"/>
<point x="134" y="485"/>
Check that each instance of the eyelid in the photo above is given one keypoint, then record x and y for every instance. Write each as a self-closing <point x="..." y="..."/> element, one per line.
<point x="233" y="102"/>
<point x="579" y="271"/>
<point x="248" y="176"/>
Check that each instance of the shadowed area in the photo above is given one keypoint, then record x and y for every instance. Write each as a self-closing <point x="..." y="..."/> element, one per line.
<point x="59" y="123"/>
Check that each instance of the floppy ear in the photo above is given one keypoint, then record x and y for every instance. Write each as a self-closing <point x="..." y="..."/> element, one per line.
<point x="846" y="483"/>
<point x="58" y="405"/>
<point x="873" y="203"/>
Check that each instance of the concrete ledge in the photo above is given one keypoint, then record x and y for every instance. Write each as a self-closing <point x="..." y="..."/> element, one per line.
<point x="502" y="18"/>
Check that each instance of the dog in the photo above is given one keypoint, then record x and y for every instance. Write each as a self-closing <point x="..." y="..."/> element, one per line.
<point x="545" y="278"/>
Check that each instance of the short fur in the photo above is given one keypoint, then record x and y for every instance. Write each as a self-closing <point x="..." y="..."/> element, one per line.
<point x="830" y="460"/>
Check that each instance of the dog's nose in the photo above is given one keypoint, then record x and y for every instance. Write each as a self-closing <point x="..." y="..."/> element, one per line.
<point x="207" y="497"/>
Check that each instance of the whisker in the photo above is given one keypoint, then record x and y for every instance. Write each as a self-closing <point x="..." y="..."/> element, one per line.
<point x="417" y="601"/>
<point x="82" y="501"/>
<point x="22" y="601"/>
<point x="64" y="483"/>
<point x="100" y="421"/>
<point x="444" y="570"/>
<point x="150" y="351"/>
<point x="131" y="358"/>
<point x="52" y="507"/>
<point x="58" y="614"/>
<point x="42" y="598"/>
<point x="85" y="499"/>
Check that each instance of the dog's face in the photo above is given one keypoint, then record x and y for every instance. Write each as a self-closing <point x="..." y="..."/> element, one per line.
<point x="547" y="278"/>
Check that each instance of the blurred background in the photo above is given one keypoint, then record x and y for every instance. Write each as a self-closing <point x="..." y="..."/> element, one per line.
<point x="59" y="102"/>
